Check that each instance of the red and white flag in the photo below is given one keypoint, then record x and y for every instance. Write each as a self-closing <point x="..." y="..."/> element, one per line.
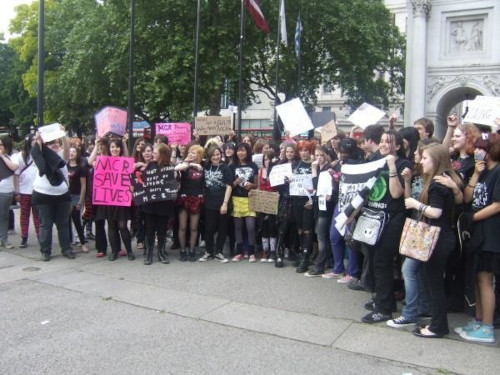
<point x="254" y="10"/>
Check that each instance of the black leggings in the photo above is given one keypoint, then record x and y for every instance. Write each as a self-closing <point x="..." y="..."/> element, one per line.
<point x="101" y="244"/>
<point x="117" y="228"/>
<point x="215" y="222"/>
<point x="156" y="225"/>
<point x="76" y="217"/>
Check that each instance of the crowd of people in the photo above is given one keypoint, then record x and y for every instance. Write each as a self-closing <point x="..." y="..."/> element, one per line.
<point x="453" y="184"/>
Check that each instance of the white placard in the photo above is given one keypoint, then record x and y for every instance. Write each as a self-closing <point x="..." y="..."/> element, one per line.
<point x="300" y="184"/>
<point x="325" y="185"/>
<point x="279" y="172"/>
<point x="484" y="110"/>
<point x="366" y="115"/>
<point x="257" y="159"/>
<point x="322" y="203"/>
<point x="294" y="117"/>
<point x="51" y="132"/>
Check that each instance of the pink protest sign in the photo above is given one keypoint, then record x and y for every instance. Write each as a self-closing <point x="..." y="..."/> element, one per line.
<point x="111" y="120"/>
<point x="178" y="133"/>
<point x="112" y="181"/>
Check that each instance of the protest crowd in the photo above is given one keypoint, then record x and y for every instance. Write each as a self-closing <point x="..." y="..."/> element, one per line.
<point x="399" y="214"/>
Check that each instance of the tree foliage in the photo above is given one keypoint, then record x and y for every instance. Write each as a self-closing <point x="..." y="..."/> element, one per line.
<point x="351" y="44"/>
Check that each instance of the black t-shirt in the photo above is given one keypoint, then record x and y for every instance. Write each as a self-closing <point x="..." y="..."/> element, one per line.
<point x="487" y="191"/>
<point x="247" y="173"/>
<point x="191" y="182"/>
<point x="464" y="167"/>
<point x="380" y="196"/>
<point x="216" y="179"/>
<point x="74" y="174"/>
<point x="440" y="196"/>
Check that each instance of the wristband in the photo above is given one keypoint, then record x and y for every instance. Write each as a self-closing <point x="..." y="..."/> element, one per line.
<point x="471" y="186"/>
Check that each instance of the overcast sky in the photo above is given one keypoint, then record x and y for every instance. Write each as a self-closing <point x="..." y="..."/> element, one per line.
<point x="7" y="13"/>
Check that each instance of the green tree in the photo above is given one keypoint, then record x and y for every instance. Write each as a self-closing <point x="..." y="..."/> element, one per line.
<point x="351" y="44"/>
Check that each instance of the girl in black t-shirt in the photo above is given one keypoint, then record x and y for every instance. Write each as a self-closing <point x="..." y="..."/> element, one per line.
<point x="245" y="174"/>
<point x="436" y="202"/>
<point x="483" y="191"/>
<point x="77" y="188"/>
<point x="190" y="199"/>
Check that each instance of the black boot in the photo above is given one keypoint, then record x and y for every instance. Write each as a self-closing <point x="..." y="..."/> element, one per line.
<point x="192" y="255"/>
<point x="162" y="251"/>
<point x="183" y="255"/>
<point x="87" y="224"/>
<point x="130" y="254"/>
<point x="148" y="252"/>
<point x="304" y="263"/>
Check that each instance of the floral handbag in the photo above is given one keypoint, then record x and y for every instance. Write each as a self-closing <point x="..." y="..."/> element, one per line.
<point x="418" y="239"/>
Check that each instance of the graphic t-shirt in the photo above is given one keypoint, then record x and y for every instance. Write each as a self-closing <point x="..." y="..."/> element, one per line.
<point x="247" y="173"/>
<point x="380" y="196"/>
<point x="216" y="179"/>
<point x="74" y="174"/>
<point x="302" y="168"/>
<point x="191" y="182"/>
<point x="464" y="167"/>
<point x="486" y="192"/>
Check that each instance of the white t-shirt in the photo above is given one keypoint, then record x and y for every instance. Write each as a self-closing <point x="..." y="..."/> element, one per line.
<point x="43" y="186"/>
<point x="7" y="184"/>
<point x="27" y="177"/>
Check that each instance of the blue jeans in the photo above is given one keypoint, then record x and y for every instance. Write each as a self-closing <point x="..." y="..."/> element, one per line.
<point x="339" y="249"/>
<point x="417" y="295"/>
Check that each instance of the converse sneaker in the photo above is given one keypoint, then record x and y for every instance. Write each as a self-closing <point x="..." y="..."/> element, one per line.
<point x="315" y="272"/>
<point x="482" y="334"/>
<point x="472" y="325"/>
<point x="24" y="243"/>
<point x="264" y="258"/>
<point x="252" y="259"/>
<point x="220" y="257"/>
<point x="237" y="258"/>
<point x="205" y="257"/>
<point x="347" y="279"/>
<point x="399" y="322"/>
<point x="375" y="317"/>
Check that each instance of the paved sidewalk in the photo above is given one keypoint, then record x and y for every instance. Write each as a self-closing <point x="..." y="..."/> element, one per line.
<point x="92" y="316"/>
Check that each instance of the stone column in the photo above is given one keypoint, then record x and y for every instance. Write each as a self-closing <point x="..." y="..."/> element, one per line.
<point x="417" y="68"/>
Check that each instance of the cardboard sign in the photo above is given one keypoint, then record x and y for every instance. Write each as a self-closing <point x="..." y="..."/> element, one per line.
<point x="51" y="132"/>
<point x="278" y="174"/>
<point x="178" y="133"/>
<point x="294" y="117"/>
<point x="111" y="120"/>
<point x="140" y="125"/>
<point x="366" y="115"/>
<point x="257" y="159"/>
<point x="484" y="110"/>
<point x="214" y="125"/>
<point x="112" y="181"/>
<point x="328" y="132"/>
<point x="155" y="184"/>
<point x="264" y="201"/>
<point x="301" y="184"/>
<point x="325" y="184"/>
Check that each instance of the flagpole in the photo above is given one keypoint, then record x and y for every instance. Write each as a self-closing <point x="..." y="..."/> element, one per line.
<point x="196" y="62"/>
<point x="41" y="55"/>
<point x="276" y="129"/>
<point x="240" y="85"/>
<point x="130" y="116"/>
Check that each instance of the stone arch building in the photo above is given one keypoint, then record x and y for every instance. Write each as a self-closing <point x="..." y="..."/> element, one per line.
<point x="453" y="54"/>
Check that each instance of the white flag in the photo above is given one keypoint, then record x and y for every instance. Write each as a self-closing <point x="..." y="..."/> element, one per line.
<point x="283" y="24"/>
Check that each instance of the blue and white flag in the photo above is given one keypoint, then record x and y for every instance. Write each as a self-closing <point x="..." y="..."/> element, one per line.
<point x="298" y="32"/>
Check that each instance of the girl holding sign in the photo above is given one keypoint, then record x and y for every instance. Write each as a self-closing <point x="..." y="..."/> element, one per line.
<point x="158" y="212"/>
<point x="302" y="202"/>
<point x="267" y="223"/>
<point x="285" y="216"/>
<point x="116" y="216"/>
<point x="245" y="179"/>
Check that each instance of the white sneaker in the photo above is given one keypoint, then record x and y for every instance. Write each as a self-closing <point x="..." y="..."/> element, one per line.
<point x="205" y="257"/>
<point x="220" y="257"/>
